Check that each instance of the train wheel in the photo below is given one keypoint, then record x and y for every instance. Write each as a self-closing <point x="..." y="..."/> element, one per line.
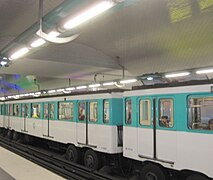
<point x="196" y="176"/>
<point x="72" y="154"/>
<point x="91" y="160"/>
<point x="153" y="172"/>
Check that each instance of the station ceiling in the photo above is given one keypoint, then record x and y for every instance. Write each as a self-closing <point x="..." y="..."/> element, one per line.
<point x="144" y="36"/>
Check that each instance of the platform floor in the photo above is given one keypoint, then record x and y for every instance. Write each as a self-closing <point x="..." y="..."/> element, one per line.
<point x="13" y="166"/>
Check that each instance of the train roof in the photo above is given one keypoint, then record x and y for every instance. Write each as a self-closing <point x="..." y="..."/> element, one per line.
<point x="172" y="88"/>
<point x="74" y="95"/>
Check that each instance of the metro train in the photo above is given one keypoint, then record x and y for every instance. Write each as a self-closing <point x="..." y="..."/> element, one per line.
<point x="160" y="129"/>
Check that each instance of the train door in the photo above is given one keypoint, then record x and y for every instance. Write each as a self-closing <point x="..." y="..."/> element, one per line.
<point x="146" y="127"/>
<point x="166" y="135"/>
<point x="4" y="114"/>
<point x="82" y="123"/>
<point x="25" y="115"/>
<point x="156" y="130"/>
<point x="48" y="116"/>
<point x="9" y="113"/>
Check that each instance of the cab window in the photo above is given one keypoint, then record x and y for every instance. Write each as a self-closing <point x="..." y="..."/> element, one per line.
<point x="145" y="112"/>
<point x="106" y="111"/>
<point x="128" y="111"/>
<point x="66" y="111"/>
<point x="82" y="111"/>
<point x="36" y="110"/>
<point x="200" y="113"/>
<point x="166" y="113"/>
<point x="93" y="111"/>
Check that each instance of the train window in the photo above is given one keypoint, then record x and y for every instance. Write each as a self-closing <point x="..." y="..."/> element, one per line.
<point x="166" y="113"/>
<point x="93" y="117"/>
<point x="36" y="110"/>
<point x="65" y="111"/>
<point x="49" y="111"/>
<point x="25" y="110"/>
<point x="16" y="110"/>
<point x="128" y="111"/>
<point x="106" y="111"/>
<point x="81" y="111"/>
<point x="145" y="112"/>
<point x="200" y="113"/>
<point x="10" y="112"/>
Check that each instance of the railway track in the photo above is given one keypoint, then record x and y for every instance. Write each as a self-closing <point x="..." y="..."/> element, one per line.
<point x="52" y="162"/>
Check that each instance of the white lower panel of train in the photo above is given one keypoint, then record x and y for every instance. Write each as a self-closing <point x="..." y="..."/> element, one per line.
<point x="174" y="149"/>
<point x="102" y="138"/>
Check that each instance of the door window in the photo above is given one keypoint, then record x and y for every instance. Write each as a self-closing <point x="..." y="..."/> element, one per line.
<point x="145" y="112"/>
<point x="82" y="111"/>
<point x="166" y="113"/>
<point x="128" y="111"/>
<point x="106" y="111"/>
<point x="16" y="110"/>
<point x="36" y="110"/>
<point x="93" y="111"/>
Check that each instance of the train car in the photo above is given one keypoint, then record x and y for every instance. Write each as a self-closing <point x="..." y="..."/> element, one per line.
<point x="170" y="128"/>
<point x="88" y="122"/>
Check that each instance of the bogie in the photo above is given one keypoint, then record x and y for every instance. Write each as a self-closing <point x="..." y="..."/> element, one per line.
<point x="73" y="154"/>
<point x="153" y="172"/>
<point x="92" y="159"/>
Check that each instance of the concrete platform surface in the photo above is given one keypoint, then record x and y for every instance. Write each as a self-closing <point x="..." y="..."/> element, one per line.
<point x="13" y="166"/>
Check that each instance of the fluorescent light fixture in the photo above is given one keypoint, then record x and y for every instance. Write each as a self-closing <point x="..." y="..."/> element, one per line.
<point x="59" y="90"/>
<point x="27" y="94"/>
<point x="70" y="89"/>
<point x="54" y="34"/>
<point x="3" y="98"/>
<point x="128" y="81"/>
<point x="19" y="53"/>
<point x="3" y="63"/>
<point x="88" y="14"/>
<point x="38" y="42"/>
<point x="81" y="87"/>
<point x="108" y="83"/>
<point x="51" y="91"/>
<point x="37" y="93"/>
<point x="150" y="78"/>
<point x="177" y="74"/>
<point x="204" y="71"/>
<point x="94" y="85"/>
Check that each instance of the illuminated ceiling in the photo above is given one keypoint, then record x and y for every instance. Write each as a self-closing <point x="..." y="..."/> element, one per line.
<point x="144" y="36"/>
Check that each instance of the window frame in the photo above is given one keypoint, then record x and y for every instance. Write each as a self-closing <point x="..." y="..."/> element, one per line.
<point x="49" y="110"/>
<point x="189" y="117"/>
<point x="72" y="110"/>
<point x="104" y="120"/>
<point x="126" y="110"/>
<point x="14" y="106"/>
<point x="85" y="109"/>
<point x="147" y="122"/>
<point x="40" y="110"/>
<point x="171" y="113"/>
<point x="96" y="120"/>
